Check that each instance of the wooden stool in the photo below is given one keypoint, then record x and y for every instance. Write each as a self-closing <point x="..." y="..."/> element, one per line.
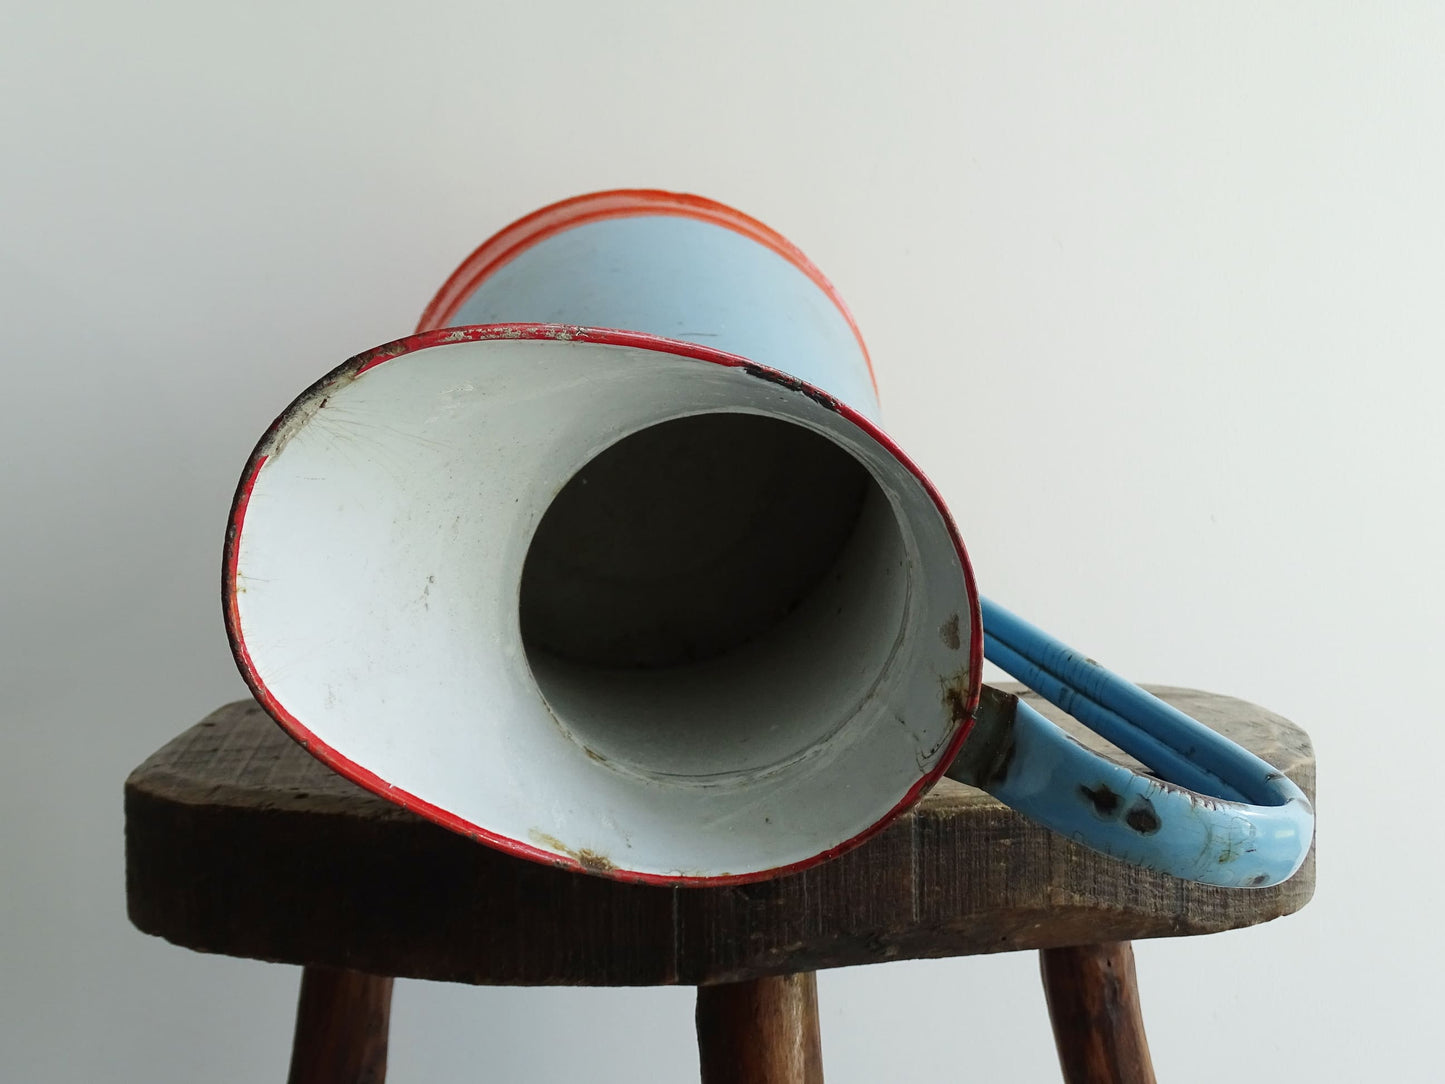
<point x="239" y="842"/>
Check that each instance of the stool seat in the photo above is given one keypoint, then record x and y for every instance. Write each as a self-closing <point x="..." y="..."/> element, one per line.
<point x="238" y="842"/>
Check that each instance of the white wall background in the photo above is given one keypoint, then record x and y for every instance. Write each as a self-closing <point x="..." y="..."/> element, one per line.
<point x="1155" y="295"/>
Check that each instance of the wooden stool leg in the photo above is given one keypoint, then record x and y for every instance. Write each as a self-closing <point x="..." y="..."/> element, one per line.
<point x="1093" y="998"/>
<point x="342" y="1019"/>
<point x="760" y="1032"/>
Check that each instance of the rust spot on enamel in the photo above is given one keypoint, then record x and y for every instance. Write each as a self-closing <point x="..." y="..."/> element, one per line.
<point x="955" y="696"/>
<point x="1142" y="818"/>
<point x="589" y="860"/>
<point x="1103" y="798"/>
<point x="949" y="634"/>
<point x="593" y="862"/>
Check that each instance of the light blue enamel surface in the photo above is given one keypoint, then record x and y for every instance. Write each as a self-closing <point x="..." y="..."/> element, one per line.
<point x="1247" y="825"/>
<point x="682" y="278"/>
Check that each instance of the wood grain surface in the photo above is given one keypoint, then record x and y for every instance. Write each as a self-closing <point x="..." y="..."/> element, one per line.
<point x="343" y="1021"/>
<point x="238" y="842"/>
<point x="763" y="1031"/>
<point x="1093" y="997"/>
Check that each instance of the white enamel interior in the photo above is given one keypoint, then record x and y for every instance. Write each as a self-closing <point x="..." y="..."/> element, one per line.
<point x="378" y="580"/>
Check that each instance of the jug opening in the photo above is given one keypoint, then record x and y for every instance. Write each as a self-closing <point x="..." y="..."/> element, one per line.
<point x="713" y="595"/>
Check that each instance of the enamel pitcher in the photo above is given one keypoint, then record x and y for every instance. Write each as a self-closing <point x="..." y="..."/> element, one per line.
<point x="610" y="566"/>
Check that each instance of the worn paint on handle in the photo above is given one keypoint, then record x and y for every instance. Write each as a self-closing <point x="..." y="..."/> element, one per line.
<point x="1219" y="814"/>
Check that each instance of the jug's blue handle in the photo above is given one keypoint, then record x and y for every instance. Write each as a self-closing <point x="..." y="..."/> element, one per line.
<point x="1218" y="815"/>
